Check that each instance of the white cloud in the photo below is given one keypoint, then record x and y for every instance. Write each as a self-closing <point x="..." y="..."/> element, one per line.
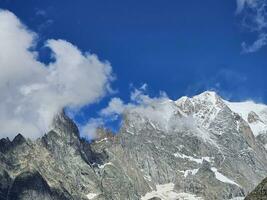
<point x="115" y="107"/>
<point x="138" y="98"/>
<point x="158" y="110"/>
<point x="89" y="130"/>
<point x="254" y="18"/>
<point x="31" y="92"/>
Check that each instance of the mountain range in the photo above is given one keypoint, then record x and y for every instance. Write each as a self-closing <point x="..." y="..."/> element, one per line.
<point x="195" y="148"/>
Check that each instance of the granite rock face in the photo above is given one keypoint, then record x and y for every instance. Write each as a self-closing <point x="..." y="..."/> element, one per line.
<point x="194" y="148"/>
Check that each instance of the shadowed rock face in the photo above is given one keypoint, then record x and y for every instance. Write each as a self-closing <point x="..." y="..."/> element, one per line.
<point x="6" y="144"/>
<point x="5" y="182"/>
<point x="31" y="186"/>
<point x="203" y="150"/>
<point x="260" y="192"/>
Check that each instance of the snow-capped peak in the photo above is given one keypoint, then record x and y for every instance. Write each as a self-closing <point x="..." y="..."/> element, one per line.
<point x="246" y="107"/>
<point x="209" y="96"/>
<point x="203" y="107"/>
<point x="206" y="106"/>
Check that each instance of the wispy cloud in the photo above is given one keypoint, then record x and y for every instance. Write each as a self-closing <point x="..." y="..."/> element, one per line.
<point x="256" y="45"/>
<point x="254" y="19"/>
<point x="40" y="12"/>
<point x="89" y="130"/>
<point x="44" y="20"/>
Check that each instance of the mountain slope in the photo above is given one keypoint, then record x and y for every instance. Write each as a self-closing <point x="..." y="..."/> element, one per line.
<point x="194" y="148"/>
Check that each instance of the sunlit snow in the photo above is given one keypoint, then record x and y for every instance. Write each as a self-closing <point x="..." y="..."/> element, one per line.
<point x="244" y="108"/>
<point x="166" y="192"/>
<point x="222" y="178"/>
<point x="91" y="196"/>
<point x="197" y="160"/>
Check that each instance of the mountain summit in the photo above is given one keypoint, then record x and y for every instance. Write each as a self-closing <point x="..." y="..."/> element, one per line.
<point x="195" y="148"/>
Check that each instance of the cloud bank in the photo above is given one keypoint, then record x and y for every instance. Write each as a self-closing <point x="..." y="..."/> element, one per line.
<point x="31" y="92"/>
<point x="254" y="18"/>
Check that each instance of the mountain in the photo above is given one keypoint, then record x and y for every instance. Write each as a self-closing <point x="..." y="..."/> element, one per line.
<point x="195" y="148"/>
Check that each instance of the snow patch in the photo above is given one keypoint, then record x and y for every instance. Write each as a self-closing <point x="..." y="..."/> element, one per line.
<point x="223" y="178"/>
<point x="206" y="158"/>
<point x="166" y="192"/>
<point x="238" y="198"/>
<point x="101" y="140"/>
<point x="197" y="160"/>
<point x="190" y="171"/>
<point x="258" y="127"/>
<point x="91" y="196"/>
<point x="180" y="155"/>
<point x="104" y="165"/>
<point x="148" y="178"/>
<point x="132" y="133"/>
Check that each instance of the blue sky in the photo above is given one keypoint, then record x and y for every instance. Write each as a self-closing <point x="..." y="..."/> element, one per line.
<point x="181" y="47"/>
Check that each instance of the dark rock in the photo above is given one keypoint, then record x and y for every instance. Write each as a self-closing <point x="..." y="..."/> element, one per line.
<point x="253" y="117"/>
<point x="259" y="193"/>
<point x="5" y="182"/>
<point x="4" y="144"/>
<point x="18" y="140"/>
<point x="31" y="186"/>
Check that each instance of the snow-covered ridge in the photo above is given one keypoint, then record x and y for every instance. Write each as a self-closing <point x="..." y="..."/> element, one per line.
<point x="206" y="106"/>
<point x="209" y="97"/>
<point x="203" y="112"/>
<point x="249" y="110"/>
<point x="244" y="108"/>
